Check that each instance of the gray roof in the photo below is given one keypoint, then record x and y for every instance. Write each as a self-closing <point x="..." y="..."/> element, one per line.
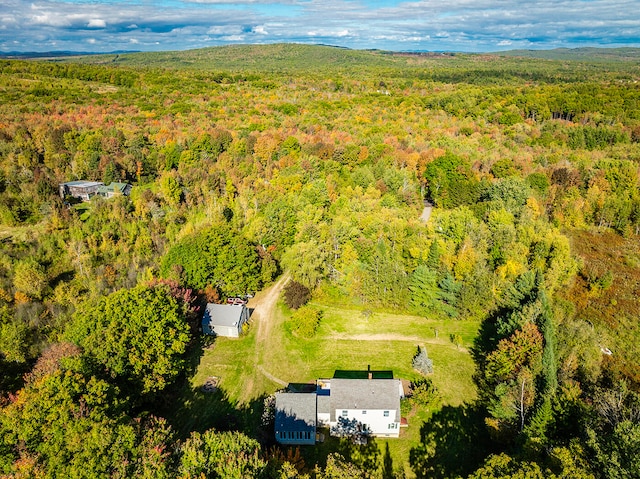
<point x="84" y="183"/>
<point x="365" y="394"/>
<point x="223" y="314"/>
<point x="295" y="411"/>
<point x="324" y="404"/>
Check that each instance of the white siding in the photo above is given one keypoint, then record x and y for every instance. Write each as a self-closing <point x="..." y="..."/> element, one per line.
<point x="228" y="331"/>
<point x="324" y="418"/>
<point x="378" y="423"/>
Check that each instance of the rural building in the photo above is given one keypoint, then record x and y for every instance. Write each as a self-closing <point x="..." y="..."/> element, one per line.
<point x="85" y="190"/>
<point x="369" y="399"/>
<point x="81" y="189"/>
<point x="224" y="319"/>
<point x="114" y="189"/>
<point x="295" y="421"/>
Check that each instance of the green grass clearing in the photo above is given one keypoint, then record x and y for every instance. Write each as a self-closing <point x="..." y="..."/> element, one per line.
<point x="346" y="339"/>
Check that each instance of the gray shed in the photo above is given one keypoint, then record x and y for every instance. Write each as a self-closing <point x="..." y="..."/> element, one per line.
<point x="224" y="319"/>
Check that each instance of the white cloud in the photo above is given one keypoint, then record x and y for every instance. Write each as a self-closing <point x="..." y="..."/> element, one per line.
<point x="233" y="38"/>
<point x="97" y="23"/>
<point x="50" y="19"/>
<point x="224" y="30"/>
<point x="505" y="43"/>
<point x="260" y="29"/>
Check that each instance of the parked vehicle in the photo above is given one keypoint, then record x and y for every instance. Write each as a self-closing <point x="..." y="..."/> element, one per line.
<point x="236" y="300"/>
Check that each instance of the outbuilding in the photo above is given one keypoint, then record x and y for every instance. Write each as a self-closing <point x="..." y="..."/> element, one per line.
<point x="224" y="319"/>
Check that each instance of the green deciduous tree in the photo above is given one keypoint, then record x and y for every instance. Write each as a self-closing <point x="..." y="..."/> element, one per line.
<point x="450" y="182"/>
<point x="216" y="256"/>
<point x="306" y="262"/>
<point x="339" y="468"/>
<point x="305" y="321"/>
<point x="139" y="335"/>
<point x="220" y="455"/>
<point x="30" y="278"/>
<point x="68" y="423"/>
<point x="511" y="370"/>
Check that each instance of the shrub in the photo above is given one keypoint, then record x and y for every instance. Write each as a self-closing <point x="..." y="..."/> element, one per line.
<point x="305" y="321"/>
<point x="423" y="392"/>
<point x="422" y="362"/>
<point x="296" y="295"/>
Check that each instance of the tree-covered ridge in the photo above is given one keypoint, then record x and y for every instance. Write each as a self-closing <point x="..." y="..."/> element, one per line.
<point x="248" y="168"/>
<point x="583" y="53"/>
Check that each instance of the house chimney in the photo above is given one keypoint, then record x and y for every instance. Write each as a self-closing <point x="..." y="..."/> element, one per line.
<point x="370" y="374"/>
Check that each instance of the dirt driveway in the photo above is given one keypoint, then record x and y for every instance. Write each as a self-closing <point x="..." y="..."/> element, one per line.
<point x="263" y="307"/>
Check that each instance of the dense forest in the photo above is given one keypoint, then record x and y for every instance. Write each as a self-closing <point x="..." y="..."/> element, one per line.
<point x="250" y="161"/>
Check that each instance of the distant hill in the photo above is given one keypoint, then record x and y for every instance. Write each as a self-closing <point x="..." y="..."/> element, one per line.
<point x="55" y="54"/>
<point x="290" y="56"/>
<point x="282" y="57"/>
<point x="291" y="59"/>
<point x="584" y="54"/>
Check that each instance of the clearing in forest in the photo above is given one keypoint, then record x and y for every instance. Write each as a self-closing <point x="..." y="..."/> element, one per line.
<point x="269" y="355"/>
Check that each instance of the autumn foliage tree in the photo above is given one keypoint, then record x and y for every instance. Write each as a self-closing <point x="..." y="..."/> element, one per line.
<point x="511" y="371"/>
<point x="296" y="294"/>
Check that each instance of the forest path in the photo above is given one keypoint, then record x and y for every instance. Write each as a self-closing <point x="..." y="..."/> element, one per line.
<point x="426" y="213"/>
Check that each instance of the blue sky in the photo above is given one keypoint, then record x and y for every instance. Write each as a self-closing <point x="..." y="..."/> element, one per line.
<point x="452" y="25"/>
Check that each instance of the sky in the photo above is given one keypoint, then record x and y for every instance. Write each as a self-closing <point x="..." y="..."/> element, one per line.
<point x="431" y="25"/>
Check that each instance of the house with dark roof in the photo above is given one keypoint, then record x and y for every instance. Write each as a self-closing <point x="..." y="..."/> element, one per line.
<point x="81" y="189"/>
<point x="367" y="400"/>
<point x="224" y="319"/>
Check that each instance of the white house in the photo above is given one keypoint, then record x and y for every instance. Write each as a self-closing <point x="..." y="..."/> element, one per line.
<point x="369" y="399"/>
<point x="374" y="403"/>
<point x="224" y="319"/>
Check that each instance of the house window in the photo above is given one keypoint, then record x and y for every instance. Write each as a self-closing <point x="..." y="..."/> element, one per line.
<point x="364" y="412"/>
<point x="386" y="414"/>
<point x="344" y="413"/>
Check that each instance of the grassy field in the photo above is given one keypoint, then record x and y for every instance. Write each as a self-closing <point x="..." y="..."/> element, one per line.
<point x="347" y="339"/>
<point x="251" y="367"/>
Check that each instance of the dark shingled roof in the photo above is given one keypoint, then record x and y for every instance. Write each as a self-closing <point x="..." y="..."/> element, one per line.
<point x="295" y="411"/>
<point x="324" y="404"/>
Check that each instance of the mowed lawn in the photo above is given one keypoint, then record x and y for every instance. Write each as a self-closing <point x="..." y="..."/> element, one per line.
<point x="347" y="339"/>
